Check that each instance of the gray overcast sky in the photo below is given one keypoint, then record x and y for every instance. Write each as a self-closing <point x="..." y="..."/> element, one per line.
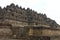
<point x="50" y="7"/>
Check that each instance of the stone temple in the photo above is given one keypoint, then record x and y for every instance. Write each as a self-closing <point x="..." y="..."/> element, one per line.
<point x="17" y="23"/>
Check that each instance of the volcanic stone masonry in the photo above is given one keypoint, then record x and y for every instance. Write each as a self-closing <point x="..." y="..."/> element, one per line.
<point x="17" y="23"/>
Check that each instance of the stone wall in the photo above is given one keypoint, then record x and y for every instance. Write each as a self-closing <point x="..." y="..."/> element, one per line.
<point x="14" y="23"/>
<point x="43" y="32"/>
<point x="55" y="38"/>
